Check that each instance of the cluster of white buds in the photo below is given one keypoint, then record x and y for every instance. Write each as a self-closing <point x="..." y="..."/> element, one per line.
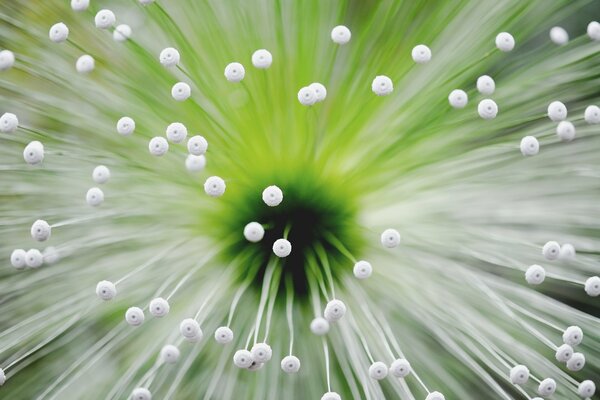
<point x="32" y="258"/>
<point x="197" y="146"/>
<point x="254" y="359"/>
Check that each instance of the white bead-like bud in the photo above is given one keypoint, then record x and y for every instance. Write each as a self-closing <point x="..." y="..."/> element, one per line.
<point x="18" y="258"/>
<point x="169" y="57"/>
<point x="272" y="196"/>
<point x="551" y="250"/>
<point x="214" y="186"/>
<point x="158" y="146"/>
<point x="7" y="60"/>
<point x="382" y="85"/>
<point x="41" y="230"/>
<point x="234" y="72"/>
<point x="563" y="353"/>
<point x="378" y="370"/>
<point x="486" y="85"/>
<point x="223" y="335"/>
<point x="261" y="352"/>
<point x="390" y="238"/>
<point x="51" y="255"/>
<point x="458" y="98"/>
<point x="197" y="145"/>
<point x="80" y="5"/>
<point x="586" y="389"/>
<point x="262" y="59"/>
<point x="567" y="252"/>
<point x="319" y="326"/>
<point x="307" y="96"/>
<point x="565" y="131"/>
<point x="169" y="354"/>
<point x="557" y="111"/>
<point x="176" y="132"/>
<point x="421" y="54"/>
<point x="105" y="19"/>
<point x="282" y="247"/>
<point x="190" y="330"/>
<point x="125" y="126"/>
<point x="141" y="394"/>
<point x="254" y="232"/>
<point x="576" y="362"/>
<point x="340" y="34"/>
<point x="290" y="364"/>
<point x="592" y="114"/>
<point x="362" y="269"/>
<point x="519" y="375"/>
<point x="547" y="387"/>
<point x="181" y="91"/>
<point x="159" y="307"/>
<point x="559" y="36"/>
<point x="101" y="174"/>
<point x="242" y="359"/>
<point x="435" y="396"/>
<point x="487" y="109"/>
<point x="58" y="32"/>
<point x="85" y="64"/>
<point x="122" y="32"/>
<point x="573" y="335"/>
<point x="94" y="197"/>
<point x="331" y="396"/>
<point x="34" y="258"/>
<point x="400" y="368"/>
<point x="9" y="123"/>
<point x="505" y="41"/>
<point x="195" y="163"/>
<point x="593" y="30"/>
<point x="334" y="310"/>
<point x="592" y="286"/>
<point x="320" y="91"/>
<point x="535" y="275"/>
<point x="33" y="154"/>
<point x="134" y="316"/>
<point x="106" y="290"/>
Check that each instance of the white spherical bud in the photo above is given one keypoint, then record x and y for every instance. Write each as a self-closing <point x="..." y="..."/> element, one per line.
<point x="362" y="269"/>
<point x="176" y="132"/>
<point x="421" y="54"/>
<point x="85" y="64"/>
<point x="382" y="85"/>
<point x="261" y="352"/>
<point x="9" y="123"/>
<point x="319" y="326"/>
<point x="547" y="387"/>
<point x="486" y="85"/>
<point x="320" y="90"/>
<point x="573" y="335"/>
<point x="592" y="114"/>
<point x="195" y="163"/>
<point x="104" y="19"/>
<point x="282" y="248"/>
<point x="234" y="72"/>
<point x="378" y="370"/>
<point x="390" y="238"/>
<point x="592" y="286"/>
<point x="331" y="396"/>
<point x="565" y="131"/>
<point x="159" y="307"/>
<point x="254" y="232"/>
<point x="141" y="394"/>
<point x="487" y="109"/>
<point x="51" y="255"/>
<point x="262" y="59"/>
<point x="563" y="353"/>
<point x="58" y="32"/>
<point x="197" y="145"/>
<point x="290" y="364"/>
<point x="435" y="396"/>
<point x="169" y="57"/>
<point x="593" y="30"/>
<point x="559" y="36"/>
<point x="307" y="96"/>
<point x="158" y="146"/>
<point x="519" y="375"/>
<point x="400" y="368"/>
<point x="80" y="5"/>
<point x="134" y="316"/>
<point x="458" y="98"/>
<point x="94" y="196"/>
<point x="557" y="111"/>
<point x="40" y="230"/>
<point x="535" y="275"/>
<point x="586" y="389"/>
<point x="34" y="258"/>
<point x="169" y="354"/>
<point x="181" y="91"/>
<point x="223" y="335"/>
<point x="551" y="250"/>
<point x="214" y="186"/>
<point x="505" y="41"/>
<point x="242" y="359"/>
<point x="2" y="377"/>
<point x="334" y="310"/>
<point x="340" y="34"/>
<point x="33" y="154"/>
<point x="18" y="258"/>
<point x="122" y="33"/>
<point x="125" y="126"/>
<point x="576" y="362"/>
<point x="106" y="290"/>
<point x="272" y="196"/>
<point x="190" y="330"/>
<point x="567" y="252"/>
<point x="101" y="174"/>
<point x="7" y="60"/>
